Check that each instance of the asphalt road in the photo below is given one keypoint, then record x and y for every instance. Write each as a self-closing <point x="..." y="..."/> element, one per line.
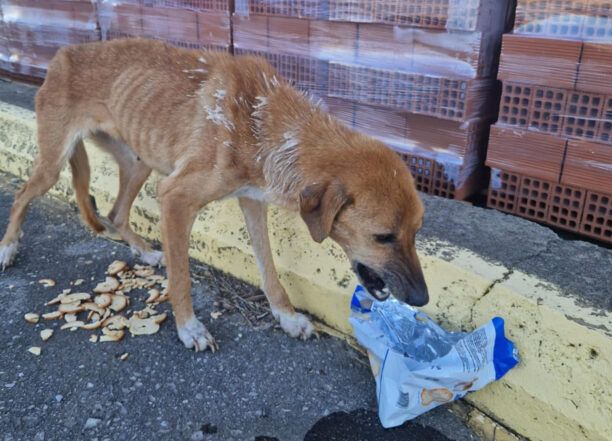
<point x="261" y="385"/>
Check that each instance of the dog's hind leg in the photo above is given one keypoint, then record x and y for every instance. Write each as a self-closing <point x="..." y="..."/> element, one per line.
<point x="132" y="175"/>
<point x="80" y="180"/>
<point x="293" y="323"/>
<point x="55" y="147"/>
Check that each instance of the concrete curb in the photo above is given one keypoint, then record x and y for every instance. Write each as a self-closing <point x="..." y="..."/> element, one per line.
<point x="558" y="391"/>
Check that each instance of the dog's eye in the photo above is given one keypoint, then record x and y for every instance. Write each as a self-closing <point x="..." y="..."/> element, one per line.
<point x="384" y="238"/>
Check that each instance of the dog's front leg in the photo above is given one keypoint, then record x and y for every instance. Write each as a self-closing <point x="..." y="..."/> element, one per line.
<point x="181" y="198"/>
<point x="293" y="323"/>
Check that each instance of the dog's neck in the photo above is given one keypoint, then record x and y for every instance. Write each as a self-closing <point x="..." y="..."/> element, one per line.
<point x="293" y="134"/>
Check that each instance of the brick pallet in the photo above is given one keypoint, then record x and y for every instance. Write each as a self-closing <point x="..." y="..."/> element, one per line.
<point x="27" y="44"/>
<point x="551" y="149"/>
<point x="195" y="24"/>
<point x="390" y="68"/>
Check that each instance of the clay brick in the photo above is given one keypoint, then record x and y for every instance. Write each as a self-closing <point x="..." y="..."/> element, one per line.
<point x="539" y="61"/>
<point x="288" y="35"/>
<point x="380" y="121"/>
<point x="183" y="25"/>
<point x="597" y="216"/>
<point x="503" y="190"/>
<point x="422" y="170"/>
<point x="597" y="25"/>
<point x="443" y="184"/>
<point x="588" y="165"/>
<point x="195" y="5"/>
<point x="583" y="115"/>
<point x="566" y="206"/>
<point x="213" y="29"/>
<point x="356" y="11"/>
<point x="534" y="198"/>
<point x="329" y="39"/>
<point x="250" y="33"/>
<point x="552" y="18"/>
<point x="596" y="68"/>
<point x="605" y="126"/>
<point x="547" y="110"/>
<point x="287" y="8"/>
<point x="125" y="19"/>
<point x="515" y="105"/>
<point x="530" y="153"/>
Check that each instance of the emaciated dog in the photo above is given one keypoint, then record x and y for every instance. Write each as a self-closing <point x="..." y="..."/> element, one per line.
<point x="218" y="126"/>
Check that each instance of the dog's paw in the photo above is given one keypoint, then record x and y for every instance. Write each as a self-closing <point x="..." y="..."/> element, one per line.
<point x="152" y="257"/>
<point x="7" y="254"/>
<point x="295" y="324"/>
<point x="194" y="334"/>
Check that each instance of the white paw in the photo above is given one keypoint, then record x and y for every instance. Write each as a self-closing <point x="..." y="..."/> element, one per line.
<point x="7" y="254"/>
<point x="153" y="257"/>
<point x="194" y="334"/>
<point x="294" y="324"/>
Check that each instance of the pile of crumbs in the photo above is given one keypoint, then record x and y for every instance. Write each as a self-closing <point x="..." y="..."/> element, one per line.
<point x="105" y="310"/>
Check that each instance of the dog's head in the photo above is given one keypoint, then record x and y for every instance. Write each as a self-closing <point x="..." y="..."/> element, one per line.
<point x="371" y="208"/>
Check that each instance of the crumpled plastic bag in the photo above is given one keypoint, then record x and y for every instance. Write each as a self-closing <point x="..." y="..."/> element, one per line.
<point x="417" y="364"/>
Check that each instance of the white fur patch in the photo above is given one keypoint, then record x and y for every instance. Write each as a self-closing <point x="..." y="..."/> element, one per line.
<point x="294" y="324"/>
<point x="153" y="257"/>
<point x="194" y="334"/>
<point x="280" y="165"/>
<point x="215" y="114"/>
<point x="7" y="254"/>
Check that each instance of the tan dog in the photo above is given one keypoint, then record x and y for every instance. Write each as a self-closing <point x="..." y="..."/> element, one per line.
<point x="218" y="126"/>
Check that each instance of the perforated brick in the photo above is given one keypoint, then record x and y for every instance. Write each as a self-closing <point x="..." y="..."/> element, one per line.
<point x="443" y="184"/>
<point x="515" y="105"/>
<point x="534" y="196"/>
<point x="583" y="114"/>
<point x="605" y="127"/>
<point x="597" y="26"/>
<point x="503" y="190"/>
<point x="422" y="170"/>
<point x="597" y="216"/>
<point x="453" y="96"/>
<point x="547" y="109"/>
<point x="566" y="205"/>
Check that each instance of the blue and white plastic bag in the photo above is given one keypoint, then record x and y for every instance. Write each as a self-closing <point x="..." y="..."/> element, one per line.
<point x="417" y="364"/>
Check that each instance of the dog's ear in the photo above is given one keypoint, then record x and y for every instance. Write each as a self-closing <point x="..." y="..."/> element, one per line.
<point x="319" y="205"/>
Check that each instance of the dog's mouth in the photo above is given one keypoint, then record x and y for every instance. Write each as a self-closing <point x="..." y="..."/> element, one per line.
<point x="372" y="282"/>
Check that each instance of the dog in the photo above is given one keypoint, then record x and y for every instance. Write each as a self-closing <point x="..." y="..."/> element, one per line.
<point x="218" y="126"/>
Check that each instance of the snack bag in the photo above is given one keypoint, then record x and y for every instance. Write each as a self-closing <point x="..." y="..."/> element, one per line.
<point x="417" y="364"/>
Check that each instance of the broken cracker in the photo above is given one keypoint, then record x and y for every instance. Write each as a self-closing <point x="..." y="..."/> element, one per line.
<point x="138" y="326"/>
<point x="34" y="350"/>
<point x="74" y="298"/>
<point x="153" y="296"/>
<point x="118" y="303"/>
<point x="31" y="317"/>
<point x="47" y="283"/>
<point x="116" y="267"/>
<point x="46" y="334"/>
<point x="52" y="315"/>
<point x="109" y="285"/>
<point x="103" y="300"/>
<point x="110" y="335"/>
<point x="73" y="326"/>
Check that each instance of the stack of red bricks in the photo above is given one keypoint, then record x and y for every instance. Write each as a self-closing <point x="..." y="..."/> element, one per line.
<point x="196" y="24"/>
<point x="418" y="74"/>
<point x="31" y="31"/>
<point x="551" y="150"/>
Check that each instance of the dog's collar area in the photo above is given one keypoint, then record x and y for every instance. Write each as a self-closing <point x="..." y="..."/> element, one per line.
<point x="372" y="282"/>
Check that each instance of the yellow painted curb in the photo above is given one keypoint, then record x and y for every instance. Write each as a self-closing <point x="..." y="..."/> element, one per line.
<point x="560" y="390"/>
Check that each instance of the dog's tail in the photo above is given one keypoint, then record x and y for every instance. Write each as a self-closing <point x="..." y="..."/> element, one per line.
<point x="80" y="180"/>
